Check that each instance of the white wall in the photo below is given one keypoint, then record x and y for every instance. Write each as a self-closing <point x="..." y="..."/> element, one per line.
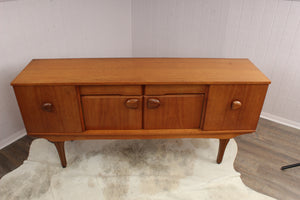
<point x="265" y="31"/>
<point x="51" y="29"/>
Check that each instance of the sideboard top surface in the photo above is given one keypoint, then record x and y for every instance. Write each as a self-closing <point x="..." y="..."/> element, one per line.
<point x="139" y="71"/>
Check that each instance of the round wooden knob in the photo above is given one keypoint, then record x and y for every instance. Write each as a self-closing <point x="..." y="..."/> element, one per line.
<point x="48" y="107"/>
<point x="153" y="103"/>
<point x="236" y="105"/>
<point x="132" y="103"/>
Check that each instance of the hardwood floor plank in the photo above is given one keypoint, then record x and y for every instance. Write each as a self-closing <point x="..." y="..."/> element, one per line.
<point x="267" y="187"/>
<point x="5" y="166"/>
<point x="260" y="156"/>
<point x="14" y="155"/>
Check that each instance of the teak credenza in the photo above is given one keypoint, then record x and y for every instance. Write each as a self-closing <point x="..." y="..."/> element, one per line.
<point x="140" y="98"/>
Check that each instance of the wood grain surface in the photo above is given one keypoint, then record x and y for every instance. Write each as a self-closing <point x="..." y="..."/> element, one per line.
<point x="219" y="112"/>
<point x="60" y="147"/>
<point x="13" y="155"/>
<point x="175" y="89"/>
<point x="174" y="111"/>
<point x="141" y="134"/>
<point x="261" y="155"/>
<point x="139" y="71"/>
<point x="64" y="116"/>
<point x="109" y="89"/>
<point x="111" y="112"/>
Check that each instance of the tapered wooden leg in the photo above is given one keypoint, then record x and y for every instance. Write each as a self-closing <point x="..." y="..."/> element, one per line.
<point x="222" y="146"/>
<point x="60" y="146"/>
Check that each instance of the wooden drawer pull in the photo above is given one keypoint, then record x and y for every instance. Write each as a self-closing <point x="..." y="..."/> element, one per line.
<point x="153" y="103"/>
<point x="236" y="105"/>
<point x="132" y="103"/>
<point x="48" y="107"/>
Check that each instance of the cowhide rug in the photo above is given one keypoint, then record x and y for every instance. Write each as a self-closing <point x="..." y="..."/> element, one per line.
<point x="165" y="169"/>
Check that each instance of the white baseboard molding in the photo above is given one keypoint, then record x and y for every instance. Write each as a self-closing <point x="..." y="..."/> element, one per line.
<point x="14" y="137"/>
<point x="280" y="120"/>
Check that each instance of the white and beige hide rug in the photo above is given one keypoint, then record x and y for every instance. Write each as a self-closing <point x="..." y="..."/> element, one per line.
<point x="165" y="169"/>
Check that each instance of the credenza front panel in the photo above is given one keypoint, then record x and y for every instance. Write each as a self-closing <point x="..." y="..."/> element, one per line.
<point x="234" y="107"/>
<point x="112" y="112"/>
<point x="175" y="89"/>
<point x="173" y="111"/>
<point x="111" y="89"/>
<point x="49" y="108"/>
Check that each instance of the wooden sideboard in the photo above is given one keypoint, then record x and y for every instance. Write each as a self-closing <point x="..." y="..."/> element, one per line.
<point x="140" y="98"/>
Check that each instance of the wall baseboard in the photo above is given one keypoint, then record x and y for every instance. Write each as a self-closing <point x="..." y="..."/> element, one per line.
<point x="14" y="137"/>
<point x="280" y="120"/>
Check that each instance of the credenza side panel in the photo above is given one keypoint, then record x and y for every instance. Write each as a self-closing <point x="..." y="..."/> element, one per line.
<point x="63" y="114"/>
<point x="219" y="112"/>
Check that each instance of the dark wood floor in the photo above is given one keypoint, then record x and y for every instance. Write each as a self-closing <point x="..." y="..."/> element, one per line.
<point x="260" y="156"/>
<point x="13" y="155"/>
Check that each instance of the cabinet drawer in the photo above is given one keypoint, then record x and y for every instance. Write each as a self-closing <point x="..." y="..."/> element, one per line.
<point x="112" y="112"/>
<point x="175" y="89"/>
<point x="173" y="111"/>
<point x="111" y="89"/>
<point x="233" y="107"/>
<point x="49" y="108"/>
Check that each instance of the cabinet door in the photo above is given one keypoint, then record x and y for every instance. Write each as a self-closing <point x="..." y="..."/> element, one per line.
<point x="49" y="108"/>
<point x="173" y="111"/>
<point x="112" y="112"/>
<point x="234" y="107"/>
